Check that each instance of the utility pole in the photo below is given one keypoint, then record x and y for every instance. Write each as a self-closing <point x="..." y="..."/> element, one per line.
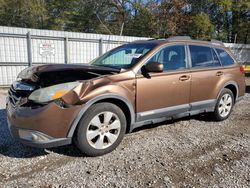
<point x="122" y="29"/>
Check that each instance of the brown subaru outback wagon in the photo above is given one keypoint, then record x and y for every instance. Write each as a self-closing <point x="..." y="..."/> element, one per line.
<point x="136" y="84"/>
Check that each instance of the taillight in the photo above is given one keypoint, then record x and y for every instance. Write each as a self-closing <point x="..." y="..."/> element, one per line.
<point x="242" y="70"/>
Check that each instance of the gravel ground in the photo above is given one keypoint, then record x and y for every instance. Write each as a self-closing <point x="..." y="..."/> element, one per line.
<point x="191" y="152"/>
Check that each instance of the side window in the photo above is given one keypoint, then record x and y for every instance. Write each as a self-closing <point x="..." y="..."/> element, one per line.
<point x="225" y="58"/>
<point x="172" y="57"/>
<point x="203" y="56"/>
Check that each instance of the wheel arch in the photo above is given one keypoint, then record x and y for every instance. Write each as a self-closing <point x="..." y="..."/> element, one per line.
<point x="233" y="86"/>
<point x="118" y="100"/>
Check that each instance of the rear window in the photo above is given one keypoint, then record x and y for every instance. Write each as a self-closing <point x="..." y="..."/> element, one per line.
<point x="225" y="58"/>
<point x="203" y="56"/>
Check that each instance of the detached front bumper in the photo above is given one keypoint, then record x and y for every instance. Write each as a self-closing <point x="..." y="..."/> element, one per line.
<point x="42" y="127"/>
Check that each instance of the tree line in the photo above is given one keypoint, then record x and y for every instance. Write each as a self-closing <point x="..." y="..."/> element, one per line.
<point x="226" y="20"/>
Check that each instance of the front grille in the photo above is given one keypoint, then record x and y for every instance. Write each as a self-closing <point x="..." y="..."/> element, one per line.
<point x="15" y="96"/>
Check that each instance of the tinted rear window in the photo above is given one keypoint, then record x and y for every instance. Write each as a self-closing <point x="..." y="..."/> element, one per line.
<point x="225" y="58"/>
<point x="202" y="56"/>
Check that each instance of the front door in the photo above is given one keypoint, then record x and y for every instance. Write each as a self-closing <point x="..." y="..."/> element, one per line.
<point x="166" y="93"/>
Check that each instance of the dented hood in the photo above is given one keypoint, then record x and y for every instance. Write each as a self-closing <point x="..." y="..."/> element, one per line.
<point x="33" y="73"/>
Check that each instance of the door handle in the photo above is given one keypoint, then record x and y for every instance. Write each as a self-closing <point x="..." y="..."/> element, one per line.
<point x="219" y="73"/>
<point x="184" y="78"/>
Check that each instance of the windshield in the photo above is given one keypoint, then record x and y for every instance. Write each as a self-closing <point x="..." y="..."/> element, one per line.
<point x="123" y="57"/>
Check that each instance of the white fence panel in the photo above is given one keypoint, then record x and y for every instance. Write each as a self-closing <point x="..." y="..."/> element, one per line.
<point x="9" y="73"/>
<point x="82" y="52"/>
<point x="39" y="57"/>
<point x="13" y="50"/>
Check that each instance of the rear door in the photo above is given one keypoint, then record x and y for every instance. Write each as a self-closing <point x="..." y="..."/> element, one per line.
<point x="206" y="71"/>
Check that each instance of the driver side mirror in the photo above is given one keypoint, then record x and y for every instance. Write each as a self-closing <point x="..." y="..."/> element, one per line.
<point x="154" y="66"/>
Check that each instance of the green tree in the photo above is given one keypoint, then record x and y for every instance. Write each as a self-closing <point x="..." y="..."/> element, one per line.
<point x="85" y="14"/>
<point x="142" y="21"/>
<point x="59" y="13"/>
<point x="173" y="17"/>
<point x="21" y="13"/>
<point x="240" y="21"/>
<point x="201" y="26"/>
<point x="220" y="15"/>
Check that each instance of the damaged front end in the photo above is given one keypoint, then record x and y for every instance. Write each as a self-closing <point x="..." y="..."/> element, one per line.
<point x="41" y="104"/>
<point x="41" y="84"/>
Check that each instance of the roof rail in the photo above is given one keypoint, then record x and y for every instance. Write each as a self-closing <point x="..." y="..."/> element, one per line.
<point x="217" y="42"/>
<point x="156" y="39"/>
<point x="174" y="38"/>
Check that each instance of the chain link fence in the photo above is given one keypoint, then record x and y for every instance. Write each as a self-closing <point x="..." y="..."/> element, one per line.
<point x="241" y="52"/>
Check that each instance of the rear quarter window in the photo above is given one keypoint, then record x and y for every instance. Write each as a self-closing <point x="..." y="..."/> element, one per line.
<point x="225" y="58"/>
<point x="203" y="56"/>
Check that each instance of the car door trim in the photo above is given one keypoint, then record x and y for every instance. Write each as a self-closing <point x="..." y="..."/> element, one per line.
<point x="179" y="110"/>
<point x="168" y="111"/>
<point x="206" y="104"/>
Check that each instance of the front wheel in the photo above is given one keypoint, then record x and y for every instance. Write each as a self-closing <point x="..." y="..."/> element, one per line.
<point x="101" y="129"/>
<point x="224" y="105"/>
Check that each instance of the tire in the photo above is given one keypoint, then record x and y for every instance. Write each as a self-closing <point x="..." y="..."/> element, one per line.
<point x="224" y="105"/>
<point x="101" y="129"/>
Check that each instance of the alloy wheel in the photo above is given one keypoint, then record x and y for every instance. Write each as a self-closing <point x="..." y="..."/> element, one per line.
<point x="103" y="130"/>
<point x="225" y="105"/>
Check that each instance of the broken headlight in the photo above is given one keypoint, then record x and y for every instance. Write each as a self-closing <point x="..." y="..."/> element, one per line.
<point x="53" y="92"/>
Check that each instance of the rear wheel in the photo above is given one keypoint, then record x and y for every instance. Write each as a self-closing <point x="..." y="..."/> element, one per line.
<point x="101" y="129"/>
<point x="224" y="105"/>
